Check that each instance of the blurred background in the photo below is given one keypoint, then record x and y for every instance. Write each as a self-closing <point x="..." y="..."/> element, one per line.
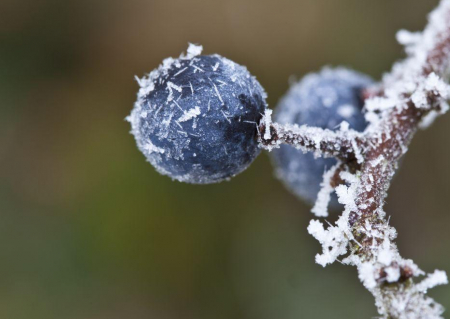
<point x="89" y="230"/>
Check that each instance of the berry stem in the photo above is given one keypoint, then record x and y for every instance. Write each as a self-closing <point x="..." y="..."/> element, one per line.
<point x="342" y="144"/>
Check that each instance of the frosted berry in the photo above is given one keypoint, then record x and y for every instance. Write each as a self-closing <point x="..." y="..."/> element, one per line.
<point x="323" y="99"/>
<point x="195" y="117"/>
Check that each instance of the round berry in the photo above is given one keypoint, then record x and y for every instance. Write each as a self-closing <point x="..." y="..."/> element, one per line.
<point x="323" y="99"/>
<point x="195" y="118"/>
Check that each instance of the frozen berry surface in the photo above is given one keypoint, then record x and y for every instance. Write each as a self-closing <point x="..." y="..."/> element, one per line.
<point x="195" y="118"/>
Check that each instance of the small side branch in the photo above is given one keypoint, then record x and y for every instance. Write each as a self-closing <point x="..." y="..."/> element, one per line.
<point x="343" y="144"/>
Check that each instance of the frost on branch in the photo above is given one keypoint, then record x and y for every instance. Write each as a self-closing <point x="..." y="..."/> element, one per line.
<point x="381" y="269"/>
<point x="333" y="241"/>
<point x="320" y="208"/>
<point x="433" y="85"/>
<point x="411" y="96"/>
<point x="420" y="77"/>
<point x="323" y="142"/>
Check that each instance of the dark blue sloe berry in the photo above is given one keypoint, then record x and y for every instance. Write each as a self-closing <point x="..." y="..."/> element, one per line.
<point x="195" y="117"/>
<point x="323" y="99"/>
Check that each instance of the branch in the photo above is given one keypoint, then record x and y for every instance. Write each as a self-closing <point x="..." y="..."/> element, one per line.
<point x="409" y="97"/>
<point x="344" y="144"/>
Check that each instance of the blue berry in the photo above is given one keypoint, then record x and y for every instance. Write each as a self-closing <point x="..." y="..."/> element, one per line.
<point x="195" y="118"/>
<point x="323" y="99"/>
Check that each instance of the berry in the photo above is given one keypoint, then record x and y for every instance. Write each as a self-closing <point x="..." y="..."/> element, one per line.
<point x="195" y="118"/>
<point x="323" y="99"/>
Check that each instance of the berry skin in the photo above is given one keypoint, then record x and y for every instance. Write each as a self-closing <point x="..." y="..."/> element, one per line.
<point x="323" y="99"/>
<point x="195" y="117"/>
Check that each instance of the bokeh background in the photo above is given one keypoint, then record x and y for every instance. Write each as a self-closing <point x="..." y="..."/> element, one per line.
<point x="88" y="229"/>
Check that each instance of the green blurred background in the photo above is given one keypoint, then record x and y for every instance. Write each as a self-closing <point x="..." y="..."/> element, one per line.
<point x="88" y="229"/>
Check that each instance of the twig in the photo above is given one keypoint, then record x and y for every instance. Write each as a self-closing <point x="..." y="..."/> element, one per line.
<point x="407" y="97"/>
<point x="343" y="144"/>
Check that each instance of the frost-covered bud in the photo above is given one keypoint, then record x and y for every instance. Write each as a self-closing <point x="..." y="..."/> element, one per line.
<point x="323" y="99"/>
<point x="195" y="118"/>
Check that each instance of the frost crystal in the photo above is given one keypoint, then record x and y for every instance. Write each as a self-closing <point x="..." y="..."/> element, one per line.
<point x="189" y="115"/>
<point x="320" y="208"/>
<point x="366" y="273"/>
<point x="193" y="50"/>
<point x="437" y="278"/>
<point x="267" y="122"/>
<point x="333" y="241"/>
<point x="362" y="237"/>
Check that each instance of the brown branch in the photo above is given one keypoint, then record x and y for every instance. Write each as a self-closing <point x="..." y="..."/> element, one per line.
<point x="399" y="126"/>
<point x="412" y="90"/>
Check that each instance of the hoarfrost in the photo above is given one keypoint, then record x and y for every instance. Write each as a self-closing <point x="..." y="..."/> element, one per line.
<point x="171" y="86"/>
<point x="366" y="273"/>
<point x="333" y="240"/>
<point x="149" y="147"/>
<point x="189" y="115"/>
<point x="193" y="50"/>
<point x="380" y="261"/>
<point x="407" y="38"/>
<point x="320" y="208"/>
<point x="437" y="278"/>
<point x="267" y="122"/>
<point x="385" y="255"/>
<point x="428" y="119"/>
<point x="432" y="115"/>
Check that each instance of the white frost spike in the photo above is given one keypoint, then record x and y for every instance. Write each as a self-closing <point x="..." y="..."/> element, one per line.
<point x="320" y="208"/>
<point x="345" y="195"/>
<point x="437" y="278"/>
<point x="333" y="240"/>
<point x="171" y="86"/>
<point x="380" y="104"/>
<point x="139" y="81"/>
<point x="436" y="85"/>
<point x="358" y="155"/>
<point x="152" y="148"/>
<point x="444" y="107"/>
<point x="428" y="119"/>
<point x="377" y="161"/>
<point x="385" y="255"/>
<point x="433" y="85"/>
<point x="267" y="122"/>
<point x="189" y="115"/>
<point x="194" y="50"/>
<point x="344" y="126"/>
<point x="179" y="72"/>
<point x="146" y="85"/>
<point x="405" y="37"/>
<point x="226" y="117"/>
<point x="392" y="274"/>
<point x="419" y="98"/>
<point x="217" y="92"/>
<point x="366" y="273"/>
